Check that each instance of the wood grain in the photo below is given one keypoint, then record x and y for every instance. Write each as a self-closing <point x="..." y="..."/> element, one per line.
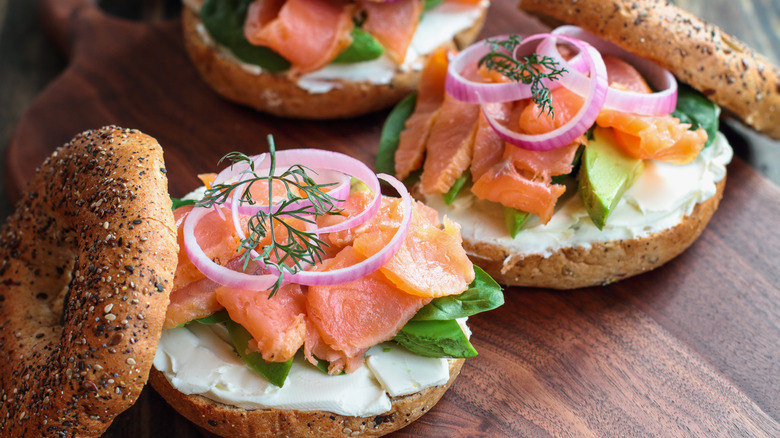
<point x="690" y="349"/>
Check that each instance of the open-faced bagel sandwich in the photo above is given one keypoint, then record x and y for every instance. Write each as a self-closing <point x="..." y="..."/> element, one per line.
<point x="286" y="299"/>
<point x="321" y="59"/>
<point x="572" y="160"/>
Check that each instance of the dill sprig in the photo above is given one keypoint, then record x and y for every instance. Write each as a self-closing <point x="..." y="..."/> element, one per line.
<point x="301" y="248"/>
<point x="531" y="69"/>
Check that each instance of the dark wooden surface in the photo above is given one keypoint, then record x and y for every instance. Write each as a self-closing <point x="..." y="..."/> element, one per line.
<point x="690" y="349"/>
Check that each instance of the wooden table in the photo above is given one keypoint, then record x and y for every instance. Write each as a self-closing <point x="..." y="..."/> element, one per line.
<point x="692" y="348"/>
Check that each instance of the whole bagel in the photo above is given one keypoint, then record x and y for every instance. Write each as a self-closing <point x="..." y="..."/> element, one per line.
<point x="86" y="266"/>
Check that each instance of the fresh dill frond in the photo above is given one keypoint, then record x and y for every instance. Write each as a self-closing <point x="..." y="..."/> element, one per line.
<point x="530" y="70"/>
<point x="300" y="248"/>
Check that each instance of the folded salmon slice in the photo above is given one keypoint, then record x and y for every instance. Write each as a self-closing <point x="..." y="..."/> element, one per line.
<point x="662" y="138"/>
<point x="450" y="145"/>
<point x="430" y="263"/>
<point x="393" y="24"/>
<point x="354" y="316"/>
<point x="194" y="301"/>
<point x="430" y="95"/>
<point x="215" y="235"/>
<point x="277" y="325"/>
<point x="315" y="349"/>
<point x="355" y="204"/>
<point x="488" y="146"/>
<point x="308" y="33"/>
<point x="502" y="183"/>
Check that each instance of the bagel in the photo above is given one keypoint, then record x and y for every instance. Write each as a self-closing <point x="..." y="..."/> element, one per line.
<point x="229" y="421"/>
<point x="87" y="265"/>
<point x="726" y="70"/>
<point x="284" y="94"/>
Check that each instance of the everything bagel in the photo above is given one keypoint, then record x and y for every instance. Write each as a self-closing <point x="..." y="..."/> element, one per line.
<point x="86" y="266"/>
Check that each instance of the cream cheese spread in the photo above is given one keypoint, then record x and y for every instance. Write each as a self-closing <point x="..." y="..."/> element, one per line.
<point x="659" y="199"/>
<point x="437" y="26"/>
<point x="200" y="359"/>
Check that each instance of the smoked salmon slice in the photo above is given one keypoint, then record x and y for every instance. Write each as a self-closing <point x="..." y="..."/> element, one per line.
<point x="315" y="349"/>
<point x="354" y="316"/>
<point x="502" y="183"/>
<point x="488" y="146"/>
<point x="565" y="105"/>
<point x="308" y="33"/>
<point x="216" y="236"/>
<point x="450" y="145"/>
<point x="277" y="325"/>
<point x="543" y="165"/>
<point x="624" y="76"/>
<point x="430" y="263"/>
<point x="393" y="24"/>
<point x="430" y="95"/>
<point x="194" y="301"/>
<point x="662" y="138"/>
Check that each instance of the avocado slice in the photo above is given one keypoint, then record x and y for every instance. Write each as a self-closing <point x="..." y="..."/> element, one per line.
<point x="606" y="173"/>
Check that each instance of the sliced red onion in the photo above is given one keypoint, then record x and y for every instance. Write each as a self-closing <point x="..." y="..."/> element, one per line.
<point x="662" y="102"/>
<point x="594" y="89"/>
<point x="241" y="280"/>
<point x="318" y="161"/>
<point x="369" y="265"/>
<point x="459" y="85"/>
<point x="213" y="271"/>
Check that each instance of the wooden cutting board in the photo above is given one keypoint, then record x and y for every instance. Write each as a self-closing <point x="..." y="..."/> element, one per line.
<point x="691" y="348"/>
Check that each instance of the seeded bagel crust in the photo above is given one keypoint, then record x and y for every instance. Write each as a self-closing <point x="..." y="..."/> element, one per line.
<point x="600" y="264"/>
<point x="727" y="71"/>
<point x="228" y="421"/>
<point x="87" y="264"/>
<point x="278" y="94"/>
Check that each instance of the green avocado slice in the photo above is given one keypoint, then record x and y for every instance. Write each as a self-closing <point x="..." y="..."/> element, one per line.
<point x="606" y="173"/>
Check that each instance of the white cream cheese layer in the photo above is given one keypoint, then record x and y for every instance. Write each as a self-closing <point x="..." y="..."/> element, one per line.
<point x="437" y="26"/>
<point x="200" y="359"/>
<point x="658" y="200"/>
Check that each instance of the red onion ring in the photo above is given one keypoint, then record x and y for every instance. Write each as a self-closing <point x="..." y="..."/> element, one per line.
<point x="594" y="89"/>
<point x="369" y="265"/>
<point x="213" y="271"/>
<point x="655" y="104"/>
<point x="241" y="280"/>
<point x="460" y="87"/>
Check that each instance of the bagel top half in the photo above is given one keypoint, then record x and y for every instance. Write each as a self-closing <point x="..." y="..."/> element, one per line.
<point x="86" y="266"/>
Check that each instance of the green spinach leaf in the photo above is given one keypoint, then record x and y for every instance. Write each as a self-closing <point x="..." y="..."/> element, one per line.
<point x="515" y="220"/>
<point x="482" y="295"/>
<point x="463" y="181"/>
<point x="694" y="108"/>
<point x="224" y="21"/>
<point x="435" y="339"/>
<point x="364" y="47"/>
<point x="391" y="131"/>
<point x="176" y="202"/>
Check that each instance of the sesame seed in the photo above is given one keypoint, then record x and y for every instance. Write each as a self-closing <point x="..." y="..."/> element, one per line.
<point x="110" y="317"/>
<point x="108" y="308"/>
<point x="105" y="225"/>
<point x="130" y="361"/>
